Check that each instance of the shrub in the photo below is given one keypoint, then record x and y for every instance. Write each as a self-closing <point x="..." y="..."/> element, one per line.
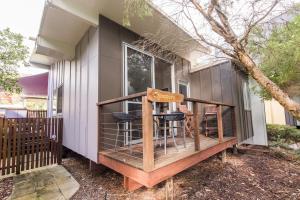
<point x="283" y="133"/>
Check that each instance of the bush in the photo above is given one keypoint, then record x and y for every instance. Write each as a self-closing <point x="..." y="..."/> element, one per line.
<point x="283" y="133"/>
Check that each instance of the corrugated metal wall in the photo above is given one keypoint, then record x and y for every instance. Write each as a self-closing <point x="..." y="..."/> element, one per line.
<point x="80" y="95"/>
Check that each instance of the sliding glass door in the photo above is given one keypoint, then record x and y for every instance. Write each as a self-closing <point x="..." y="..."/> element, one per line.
<point x="142" y="70"/>
<point x="138" y="76"/>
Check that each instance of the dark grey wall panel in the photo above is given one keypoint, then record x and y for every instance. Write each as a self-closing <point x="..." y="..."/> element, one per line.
<point x="223" y="83"/>
<point x="206" y="85"/>
<point x="216" y="80"/>
<point x="112" y="36"/>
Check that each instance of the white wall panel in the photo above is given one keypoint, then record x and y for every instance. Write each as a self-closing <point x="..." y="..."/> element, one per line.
<point x="80" y="95"/>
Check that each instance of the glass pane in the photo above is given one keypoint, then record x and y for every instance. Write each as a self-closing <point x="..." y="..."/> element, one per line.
<point x="59" y="99"/>
<point x="162" y="75"/>
<point x="246" y="96"/>
<point x="183" y="90"/>
<point x="139" y="71"/>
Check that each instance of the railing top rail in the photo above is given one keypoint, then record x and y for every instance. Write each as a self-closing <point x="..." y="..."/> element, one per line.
<point x="120" y="99"/>
<point x="134" y="96"/>
<point x="208" y="102"/>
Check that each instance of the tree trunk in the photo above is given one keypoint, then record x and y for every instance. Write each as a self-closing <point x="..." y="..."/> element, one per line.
<point x="290" y="105"/>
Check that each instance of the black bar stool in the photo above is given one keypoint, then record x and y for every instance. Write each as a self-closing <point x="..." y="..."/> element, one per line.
<point x="123" y="118"/>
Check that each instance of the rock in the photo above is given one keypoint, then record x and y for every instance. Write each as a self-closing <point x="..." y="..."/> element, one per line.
<point x="198" y="194"/>
<point x="184" y="196"/>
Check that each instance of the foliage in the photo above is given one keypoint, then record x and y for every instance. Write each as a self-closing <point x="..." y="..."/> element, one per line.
<point x="135" y="7"/>
<point x="12" y="54"/>
<point x="279" y="55"/>
<point x="283" y="134"/>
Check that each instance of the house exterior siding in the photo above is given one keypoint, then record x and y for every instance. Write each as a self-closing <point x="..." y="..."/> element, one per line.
<point x="223" y="83"/>
<point x="79" y="79"/>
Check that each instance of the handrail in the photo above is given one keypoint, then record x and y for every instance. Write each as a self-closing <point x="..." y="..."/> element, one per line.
<point x="140" y="94"/>
<point x="208" y="102"/>
<point x="120" y="99"/>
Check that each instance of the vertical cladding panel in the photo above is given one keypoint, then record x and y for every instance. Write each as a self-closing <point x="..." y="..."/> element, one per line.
<point x="83" y="93"/>
<point x="216" y="83"/>
<point x="228" y="86"/>
<point x="72" y="136"/>
<point x="195" y="85"/>
<point x="235" y="96"/>
<point x="50" y="82"/>
<point x="205" y="83"/>
<point x="77" y="98"/>
<point x="244" y="132"/>
<point x="227" y="97"/>
<point x="66" y="104"/>
<point x="92" y="84"/>
<point x="225" y="71"/>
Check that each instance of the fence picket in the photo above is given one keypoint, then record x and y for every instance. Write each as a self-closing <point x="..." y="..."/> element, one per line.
<point x="1" y="138"/>
<point x="51" y="139"/>
<point x="9" y="133"/>
<point x="54" y="140"/>
<point x="60" y="141"/>
<point x="37" y="134"/>
<point x="29" y="143"/>
<point x="48" y="140"/>
<point x="4" y="147"/>
<point x="18" y="125"/>
<point x="42" y="141"/>
<point x="14" y="145"/>
<point x="28" y="133"/>
<point x="22" y="137"/>
<point x="32" y="141"/>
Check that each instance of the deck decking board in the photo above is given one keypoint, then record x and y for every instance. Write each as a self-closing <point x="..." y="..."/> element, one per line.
<point x="166" y="166"/>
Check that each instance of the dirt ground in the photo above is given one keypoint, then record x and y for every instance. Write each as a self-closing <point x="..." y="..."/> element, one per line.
<point x="252" y="174"/>
<point x="259" y="175"/>
<point x="6" y="186"/>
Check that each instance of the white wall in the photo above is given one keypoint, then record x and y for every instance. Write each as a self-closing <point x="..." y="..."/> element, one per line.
<point x="80" y="95"/>
<point x="258" y="120"/>
<point x="275" y="113"/>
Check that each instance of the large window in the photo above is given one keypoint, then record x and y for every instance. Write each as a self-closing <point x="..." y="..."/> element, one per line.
<point x="57" y="102"/>
<point x="139" y="71"/>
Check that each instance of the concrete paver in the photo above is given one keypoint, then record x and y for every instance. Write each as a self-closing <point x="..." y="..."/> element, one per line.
<point x="54" y="183"/>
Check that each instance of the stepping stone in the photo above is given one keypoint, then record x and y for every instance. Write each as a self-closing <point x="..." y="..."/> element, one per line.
<point x="54" y="183"/>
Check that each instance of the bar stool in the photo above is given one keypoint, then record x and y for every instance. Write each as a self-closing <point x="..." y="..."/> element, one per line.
<point x="176" y="117"/>
<point x="210" y="111"/>
<point x="170" y="118"/>
<point x="123" y="118"/>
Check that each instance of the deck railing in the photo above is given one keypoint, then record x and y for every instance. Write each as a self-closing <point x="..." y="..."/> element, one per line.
<point x="145" y="152"/>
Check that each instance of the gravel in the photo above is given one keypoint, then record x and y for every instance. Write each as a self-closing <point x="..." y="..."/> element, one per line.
<point x="6" y="186"/>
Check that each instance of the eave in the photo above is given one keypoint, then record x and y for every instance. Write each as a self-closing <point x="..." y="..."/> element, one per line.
<point x="64" y="22"/>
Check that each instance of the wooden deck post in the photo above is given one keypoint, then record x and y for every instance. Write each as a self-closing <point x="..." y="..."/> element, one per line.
<point x="169" y="189"/>
<point x="196" y="126"/>
<point x="224" y="156"/>
<point x="148" y="148"/>
<point x="130" y="184"/>
<point x="220" y="123"/>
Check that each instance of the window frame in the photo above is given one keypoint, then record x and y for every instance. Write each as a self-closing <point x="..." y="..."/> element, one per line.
<point x="246" y="96"/>
<point x="188" y="90"/>
<point x="55" y="101"/>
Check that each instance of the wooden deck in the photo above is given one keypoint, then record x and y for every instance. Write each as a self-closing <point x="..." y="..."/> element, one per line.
<point x="146" y="164"/>
<point x="135" y="159"/>
<point x="165" y="165"/>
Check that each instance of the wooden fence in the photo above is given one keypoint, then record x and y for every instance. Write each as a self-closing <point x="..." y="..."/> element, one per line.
<point x="36" y="113"/>
<point x="28" y="143"/>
